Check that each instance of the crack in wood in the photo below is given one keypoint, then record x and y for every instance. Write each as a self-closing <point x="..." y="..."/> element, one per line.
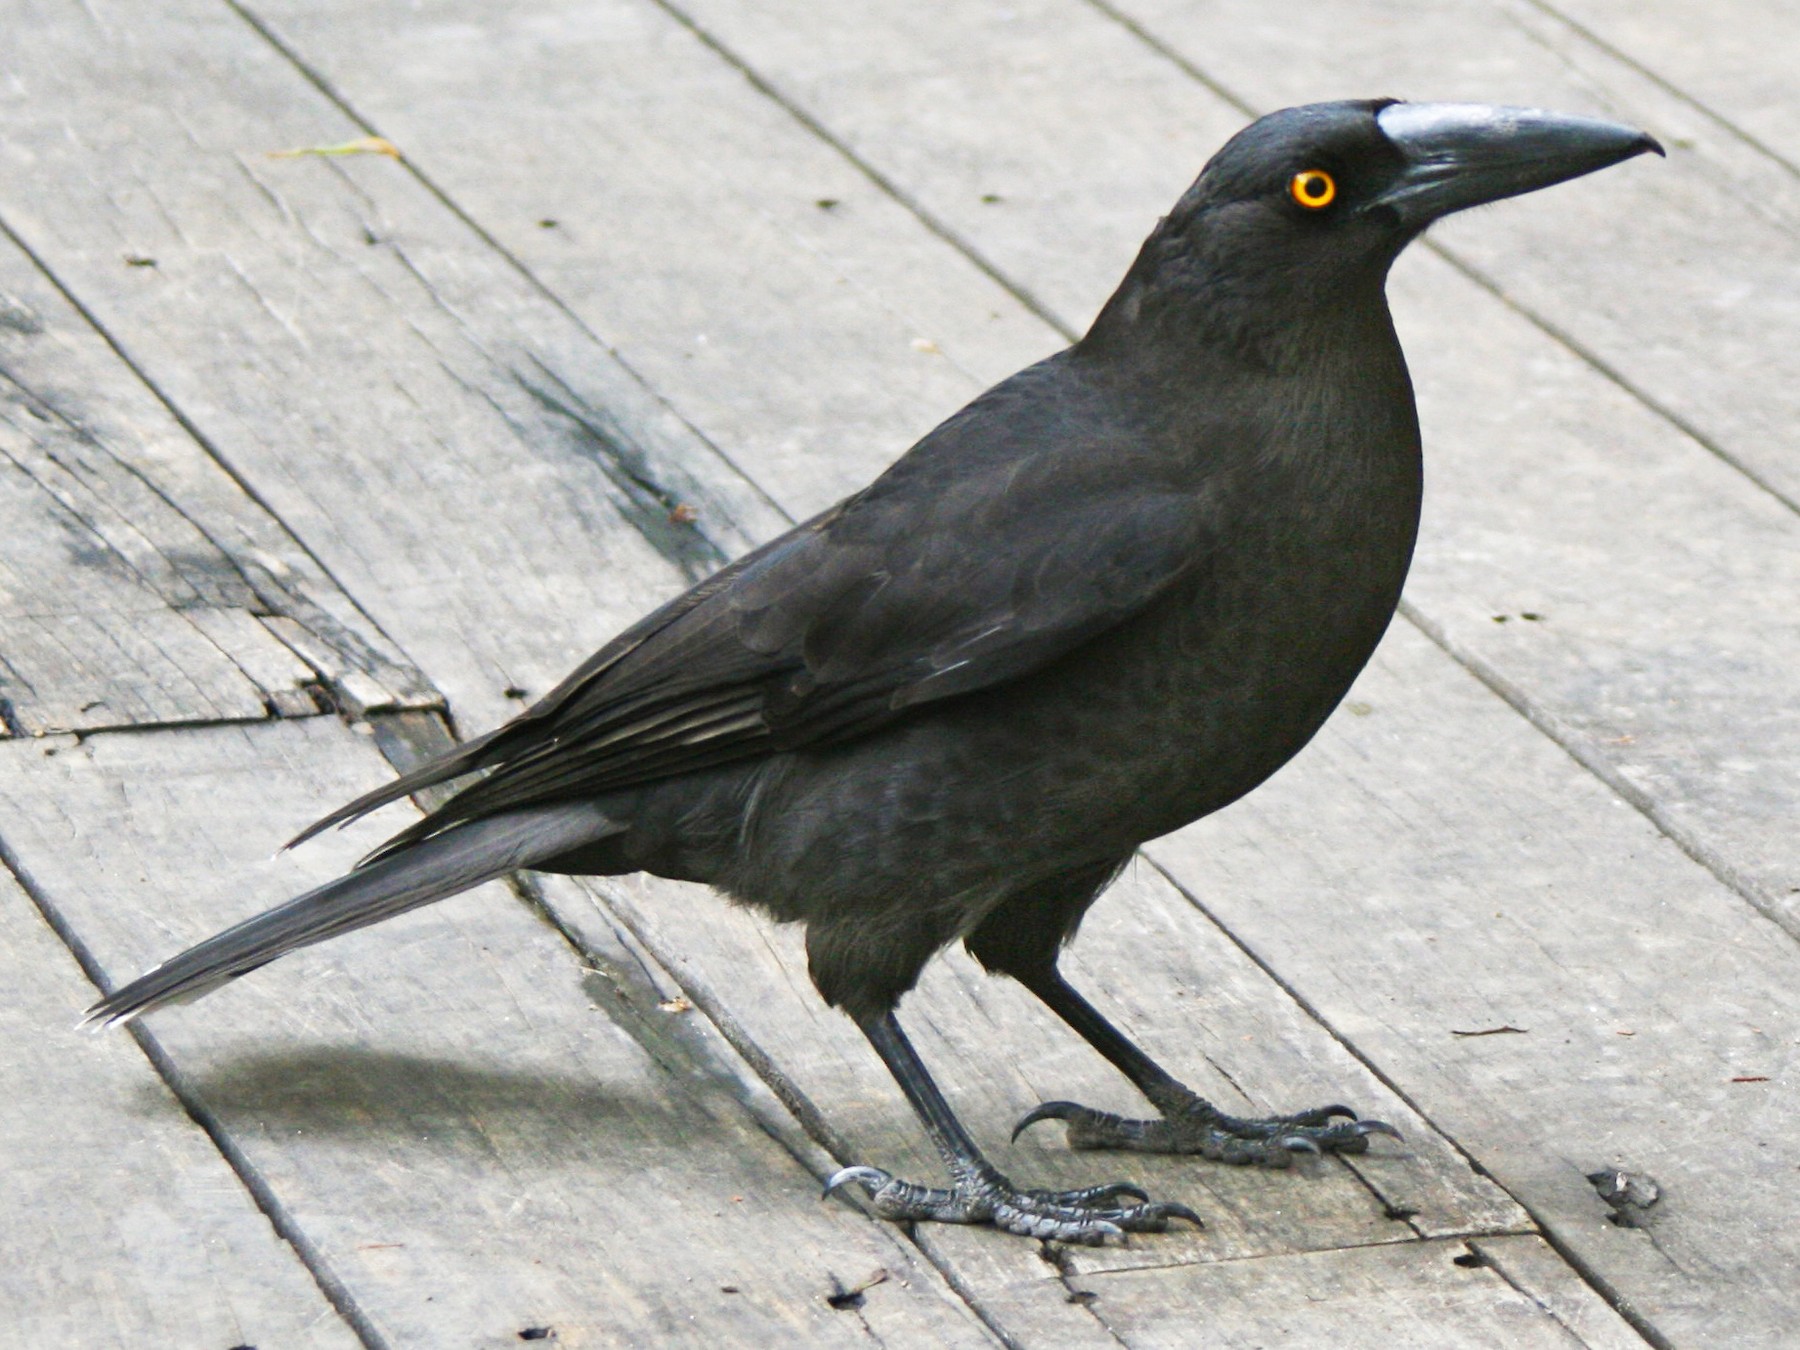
<point x="667" y="521"/>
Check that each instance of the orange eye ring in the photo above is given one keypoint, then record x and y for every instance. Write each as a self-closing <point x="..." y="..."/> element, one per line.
<point x="1313" y="188"/>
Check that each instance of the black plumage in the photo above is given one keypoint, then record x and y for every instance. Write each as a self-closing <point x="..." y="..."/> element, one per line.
<point x="1111" y="595"/>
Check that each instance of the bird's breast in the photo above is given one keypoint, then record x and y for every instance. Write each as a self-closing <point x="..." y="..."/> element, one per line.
<point x="1220" y="682"/>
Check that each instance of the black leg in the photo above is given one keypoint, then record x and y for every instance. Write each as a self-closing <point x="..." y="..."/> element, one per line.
<point x="978" y="1192"/>
<point x="1188" y="1123"/>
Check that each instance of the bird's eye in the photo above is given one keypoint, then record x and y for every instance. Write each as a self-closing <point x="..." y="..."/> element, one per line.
<point x="1313" y="188"/>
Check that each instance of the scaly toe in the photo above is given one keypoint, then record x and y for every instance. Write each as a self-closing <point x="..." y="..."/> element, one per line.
<point x="1191" y="1125"/>
<point x="1090" y="1215"/>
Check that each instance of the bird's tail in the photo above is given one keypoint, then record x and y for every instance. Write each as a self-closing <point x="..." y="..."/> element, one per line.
<point x="432" y="869"/>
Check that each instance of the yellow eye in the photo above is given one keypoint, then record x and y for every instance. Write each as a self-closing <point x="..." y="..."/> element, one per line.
<point x="1313" y="188"/>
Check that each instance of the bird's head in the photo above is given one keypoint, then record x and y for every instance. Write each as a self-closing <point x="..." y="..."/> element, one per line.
<point x="1306" y="209"/>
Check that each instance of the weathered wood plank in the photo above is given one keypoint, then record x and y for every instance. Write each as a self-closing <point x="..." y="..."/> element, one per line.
<point x="1529" y="1265"/>
<point x="138" y="583"/>
<point x="1730" y="64"/>
<point x="122" y="1224"/>
<point x="720" y="396"/>
<point x="1193" y="1000"/>
<point x="361" y="356"/>
<point x="471" y="1147"/>
<point x="1428" y="1295"/>
<point x="1484" y="882"/>
<point x="695" y="220"/>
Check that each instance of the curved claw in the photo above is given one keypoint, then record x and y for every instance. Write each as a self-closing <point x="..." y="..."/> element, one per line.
<point x="1047" y="1111"/>
<point x="1378" y="1127"/>
<point x="1300" y="1143"/>
<point x="1174" y="1211"/>
<point x="872" y="1179"/>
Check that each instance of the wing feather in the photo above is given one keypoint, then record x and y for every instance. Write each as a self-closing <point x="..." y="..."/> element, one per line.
<point x="1012" y="535"/>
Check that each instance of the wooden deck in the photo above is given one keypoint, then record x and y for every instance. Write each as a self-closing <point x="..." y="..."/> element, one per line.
<point x="307" y="460"/>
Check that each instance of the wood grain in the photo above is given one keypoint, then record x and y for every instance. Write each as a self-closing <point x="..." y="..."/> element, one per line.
<point x="1423" y="1296"/>
<point x="138" y="583"/>
<point x="1500" y="886"/>
<point x="123" y="1225"/>
<point x="415" y="411"/>
<point x="471" y="1146"/>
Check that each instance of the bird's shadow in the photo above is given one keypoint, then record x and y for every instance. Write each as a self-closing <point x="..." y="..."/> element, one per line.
<point x="350" y="1091"/>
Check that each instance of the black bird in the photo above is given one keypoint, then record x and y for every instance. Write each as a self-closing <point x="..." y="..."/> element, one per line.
<point x="1113" y="594"/>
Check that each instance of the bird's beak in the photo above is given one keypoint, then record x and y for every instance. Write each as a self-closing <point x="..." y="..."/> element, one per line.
<point x="1463" y="154"/>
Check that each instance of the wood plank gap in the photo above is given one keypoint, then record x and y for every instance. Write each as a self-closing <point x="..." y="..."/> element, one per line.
<point x="213" y="453"/>
<point x="809" y="1118"/>
<point x="1757" y="896"/>
<point x="1595" y="1281"/>
<point x="1173" y="57"/>
<point x="253" y="1182"/>
<point x="1611" y="374"/>
<point x="1249" y="1257"/>
<point x="1602" y="1287"/>
<point x="881" y="181"/>
<point x="405" y="742"/>
<point x="343" y="105"/>
<point x="1067" y="1275"/>
<point x="1618" y="54"/>
<point x="10" y="730"/>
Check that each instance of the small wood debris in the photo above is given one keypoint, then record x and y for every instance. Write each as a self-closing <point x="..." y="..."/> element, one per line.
<point x="1631" y="1195"/>
<point x="845" y="1300"/>
<point x="362" y="145"/>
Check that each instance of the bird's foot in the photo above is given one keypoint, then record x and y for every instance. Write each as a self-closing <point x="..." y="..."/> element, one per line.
<point x="1190" y="1124"/>
<point x="983" y="1195"/>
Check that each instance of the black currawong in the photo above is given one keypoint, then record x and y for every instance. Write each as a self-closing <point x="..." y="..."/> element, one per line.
<point x="1111" y="595"/>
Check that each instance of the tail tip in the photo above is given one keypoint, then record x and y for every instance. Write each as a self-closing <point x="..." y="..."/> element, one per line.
<point x="102" y="1016"/>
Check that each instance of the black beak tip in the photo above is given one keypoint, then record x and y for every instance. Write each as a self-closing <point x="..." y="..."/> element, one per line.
<point x="1651" y="145"/>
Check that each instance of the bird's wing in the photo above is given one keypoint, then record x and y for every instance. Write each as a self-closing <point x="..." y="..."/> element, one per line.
<point x="997" y="545"/>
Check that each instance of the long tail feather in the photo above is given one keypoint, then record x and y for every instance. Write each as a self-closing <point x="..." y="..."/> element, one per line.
<point x="433" y="869"/>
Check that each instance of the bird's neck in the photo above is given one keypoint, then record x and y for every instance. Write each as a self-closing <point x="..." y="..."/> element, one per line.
<point x="1181" y="302"/>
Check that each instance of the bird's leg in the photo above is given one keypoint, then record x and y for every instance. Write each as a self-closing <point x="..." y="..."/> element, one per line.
<point x="1189" y="1123"/>
<point x="978" y="1192"/>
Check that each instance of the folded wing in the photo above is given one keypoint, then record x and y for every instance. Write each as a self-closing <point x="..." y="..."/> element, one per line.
<point x="977" y="559"/>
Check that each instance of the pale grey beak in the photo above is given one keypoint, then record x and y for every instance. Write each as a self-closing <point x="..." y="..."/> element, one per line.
<point x="1464" y="154"/>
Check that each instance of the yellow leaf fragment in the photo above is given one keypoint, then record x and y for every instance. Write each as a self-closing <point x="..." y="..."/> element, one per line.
<point x="363" y="145"/>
